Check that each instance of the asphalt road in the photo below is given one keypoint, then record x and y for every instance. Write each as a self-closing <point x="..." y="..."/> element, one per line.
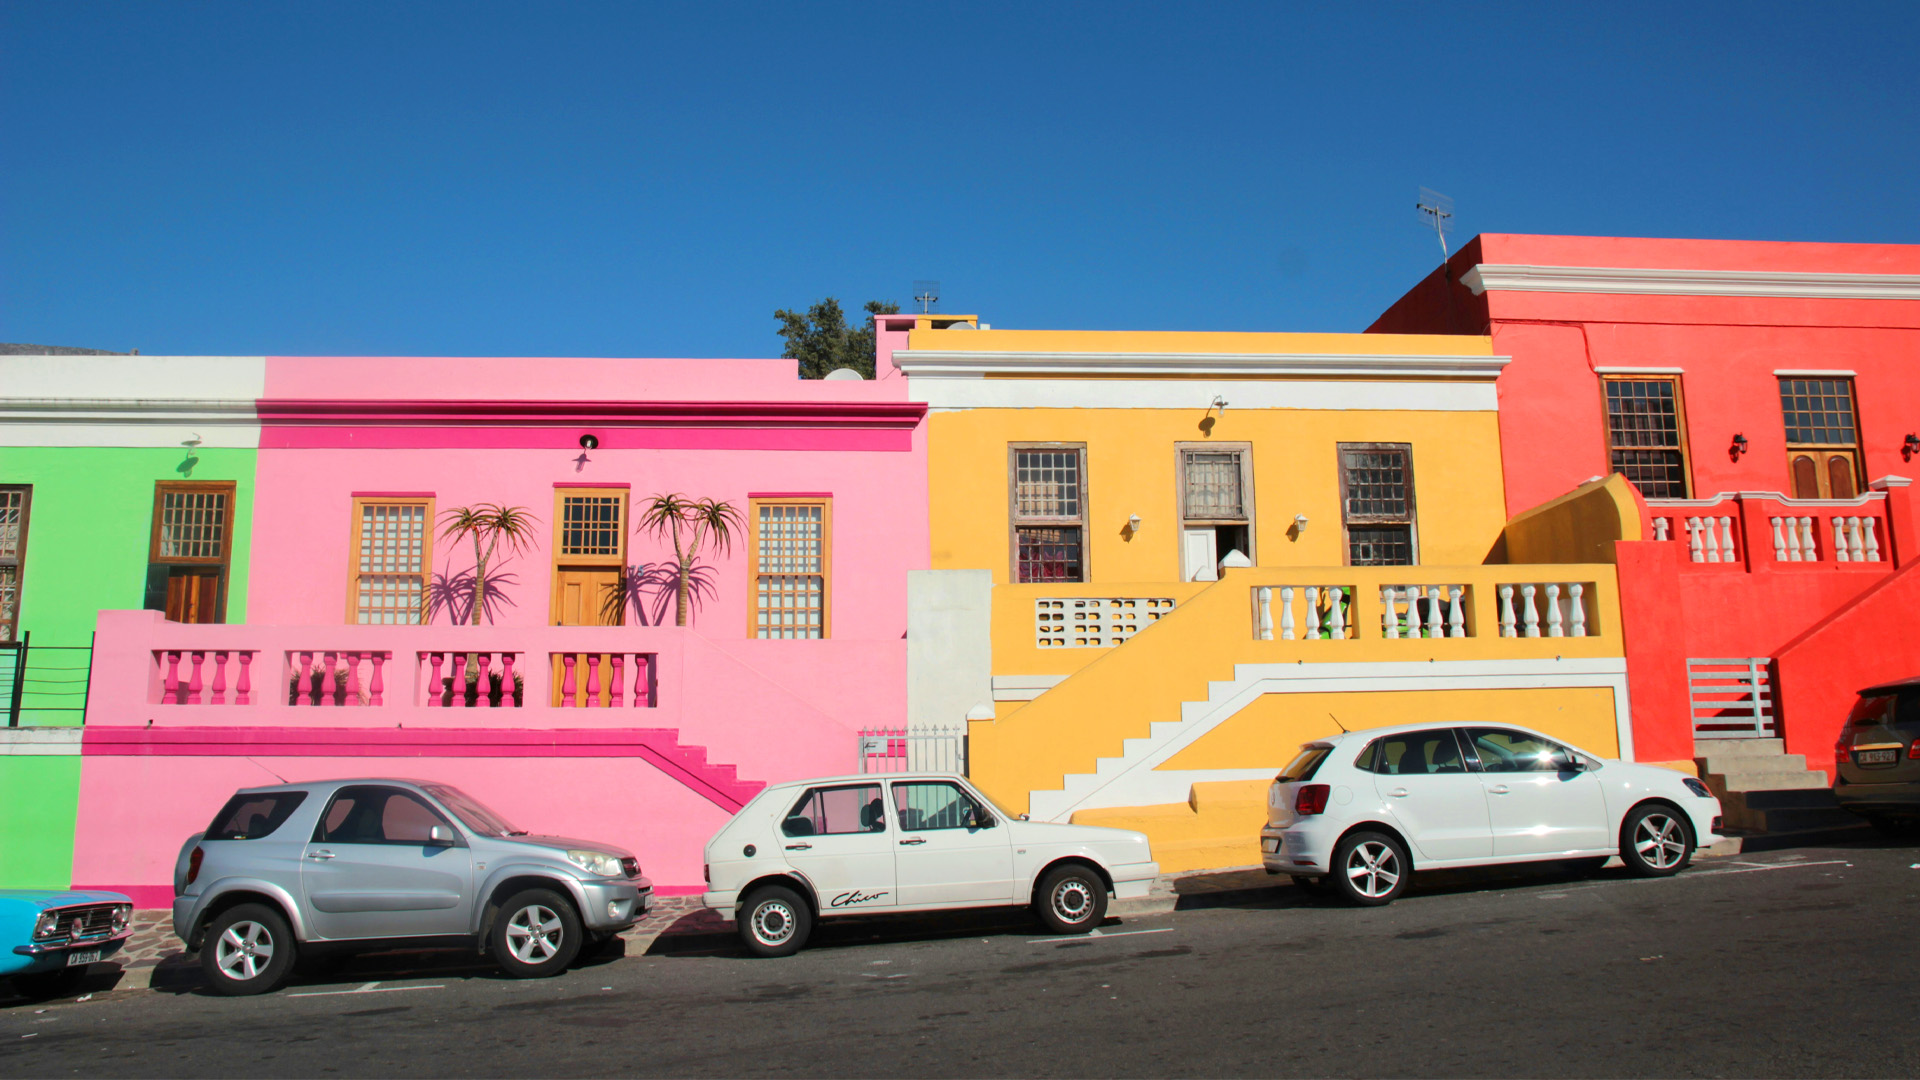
<point x="1797" y="963"/>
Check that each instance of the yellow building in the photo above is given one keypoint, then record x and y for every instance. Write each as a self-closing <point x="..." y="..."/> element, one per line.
<point x="1162" y="561"/>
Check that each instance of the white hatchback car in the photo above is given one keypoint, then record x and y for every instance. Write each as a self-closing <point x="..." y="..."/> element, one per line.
<point x="864" y="845"/>
<point x="1359" y="812"/>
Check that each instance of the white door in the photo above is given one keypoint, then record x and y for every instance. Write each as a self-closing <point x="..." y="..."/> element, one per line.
<point x="837" y="838"/>
<point x="1423" y="779"/>
<point x="950" y="849"/>
<point x="1197" y="559"/>
<point x="1537" y="806"/>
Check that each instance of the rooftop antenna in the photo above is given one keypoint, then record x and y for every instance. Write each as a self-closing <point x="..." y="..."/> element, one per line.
<point x="1436" y="213"/>
<point x="1338" y="724"/>
<point x="926" y="294"/>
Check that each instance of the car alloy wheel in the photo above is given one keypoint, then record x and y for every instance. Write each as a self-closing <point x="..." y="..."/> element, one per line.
<point x="1660" y="840"/>
<point x="249" y="949"/>
<point x="244" y="951"/>
<point x="1374" y="869"/>
<point x="535" y="934"/>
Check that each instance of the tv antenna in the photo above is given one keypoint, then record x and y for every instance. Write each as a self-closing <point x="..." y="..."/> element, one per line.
<point x="926" y="294"/>
<point x="1436" y="213"/>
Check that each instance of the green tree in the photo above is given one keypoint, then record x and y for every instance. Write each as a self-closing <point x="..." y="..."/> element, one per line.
<point x="491" y="523"/>
<point x="689" y="522"/>
<point x="822" y="341"/>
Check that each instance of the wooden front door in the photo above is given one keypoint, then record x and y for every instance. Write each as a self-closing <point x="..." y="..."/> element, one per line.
<point x="193" y="595"/>
<point x="1823" y="474"/>
<point x="586" y="596"/>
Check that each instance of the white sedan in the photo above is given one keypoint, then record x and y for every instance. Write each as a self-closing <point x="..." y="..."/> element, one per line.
<point x="1360" y="811"/>
<point x="865" y="845"/>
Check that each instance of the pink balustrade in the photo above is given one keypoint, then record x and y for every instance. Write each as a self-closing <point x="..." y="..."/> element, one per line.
<point x="585" y="680"/>
<point x="341" y="678"/>
<point x="203" y="676"/>
<point x="474" y="680"/>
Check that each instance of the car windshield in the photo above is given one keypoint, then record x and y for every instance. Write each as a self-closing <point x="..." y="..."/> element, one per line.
<point x="472" y="813"/>
<point x="1305" y="765"/>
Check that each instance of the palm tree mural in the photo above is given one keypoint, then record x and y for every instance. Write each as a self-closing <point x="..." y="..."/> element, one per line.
<point x="689" y="523"/>
<point x="488" y="524"/>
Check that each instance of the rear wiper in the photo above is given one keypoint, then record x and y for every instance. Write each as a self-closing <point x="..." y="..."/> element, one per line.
<point x="516" y="832"/>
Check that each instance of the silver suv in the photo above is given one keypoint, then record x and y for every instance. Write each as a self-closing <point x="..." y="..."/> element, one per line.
<point x="357" y="863"/>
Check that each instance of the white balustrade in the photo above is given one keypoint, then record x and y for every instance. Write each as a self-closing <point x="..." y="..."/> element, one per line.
<point x="1662" y="527"/>
<point x="1808" y="552"/>
<point x="1432" y="611"/>
<point x="1324" y="614"/>
<point x="1506" y="611"/>
<point x="1286" y="613"/>
<point x="1726" y="537"/>
<point x="1780" y="544"/>
<point x="1313" y="611"/>
<point x="1562" y="610"/>
<point x="1872" y="545"/>
<point x="1839" y="539"/>
<point x="1263" y="608"/>
<point x="1695" y="547"/>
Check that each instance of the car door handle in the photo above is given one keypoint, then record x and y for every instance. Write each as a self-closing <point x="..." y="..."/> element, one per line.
<point x="1498" y="789"/>
<point x="799" y="847"/>
<point x="1398" y="793"/>
<point x="913" y="840"/>
<point x="319" y="854"/>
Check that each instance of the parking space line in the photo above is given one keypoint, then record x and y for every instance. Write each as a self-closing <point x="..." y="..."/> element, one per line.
<point x="1755" y="868"/>
<point x="1100" y="934"/>
<point x="370" y="988"/>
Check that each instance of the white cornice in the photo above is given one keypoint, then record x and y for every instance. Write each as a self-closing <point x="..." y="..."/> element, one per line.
<point x="125" y="411"/>
<point x="947" y="364"/>
<point x="1514" y="277"/>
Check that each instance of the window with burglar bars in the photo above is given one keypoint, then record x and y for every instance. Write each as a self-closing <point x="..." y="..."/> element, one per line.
<point x="393" y="547"/>
<point x="1376" y="495"/>
<point x="1049" y="512"/>
<point x="1212" y="484"/>
<point x="1645" y="436"/>
<point x="192" y="523"/>
<point x="14" y="504"/>
<point x="791" y="560"/>
<point x="591" y="524"/>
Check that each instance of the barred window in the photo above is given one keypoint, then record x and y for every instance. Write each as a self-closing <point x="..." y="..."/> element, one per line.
<point x="1376" y="492"/>
<point x="591" y="524"/>
<point x="193" y="524"/>
<point x="1049" y="512"/>
<point x="1818" y="412"/>
<point x="1644" y="435"/>
<point x="393" y="549"/>
<point x="790" y="561"/>
<point x="1212" y="485"/>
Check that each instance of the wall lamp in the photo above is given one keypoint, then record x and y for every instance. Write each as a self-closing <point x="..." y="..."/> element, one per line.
<point x="1910" y="447"/>
<point x="589" y="442"/>
<point x="1133" y="523"/>
<point x="1739" y="446"/>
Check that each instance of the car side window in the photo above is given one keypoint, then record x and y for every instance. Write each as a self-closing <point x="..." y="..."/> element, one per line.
<point x="254" y="817"/>
<point x="1501" y="750"/>
<point x="837" y="811"/>
<point x="1418" y="753"/>
<point x="377" y="815"/>
<point x="924" y="805"/>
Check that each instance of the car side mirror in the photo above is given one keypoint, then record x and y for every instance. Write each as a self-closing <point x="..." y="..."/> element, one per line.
<point x="440" y="836"/>
<point x="1569" y="763"/>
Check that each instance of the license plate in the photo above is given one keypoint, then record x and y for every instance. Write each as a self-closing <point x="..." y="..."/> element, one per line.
<point x="1873" y="757"/>
<point x="1269" y="844"/>
<point x="75" y="959"/>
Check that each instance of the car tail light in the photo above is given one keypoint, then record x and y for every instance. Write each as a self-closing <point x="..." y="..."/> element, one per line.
<point x="1310" y="799"/>
<point x="193" y="864"/>
<point x="706" y="873"/>
<point x="1913" y="752"/>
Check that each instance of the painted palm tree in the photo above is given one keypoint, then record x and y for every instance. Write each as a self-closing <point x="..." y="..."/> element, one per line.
<point x="488" y="524"/>
<point x="689" y="523"/>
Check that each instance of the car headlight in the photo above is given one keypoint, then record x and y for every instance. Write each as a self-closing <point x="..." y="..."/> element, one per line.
<point x="122" y="915"/>
<point x="47" y="925"/>
<point x="597" y="863"/>
<point x="1696" y="787"/>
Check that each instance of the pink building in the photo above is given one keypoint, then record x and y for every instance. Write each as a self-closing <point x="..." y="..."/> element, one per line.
<point x="577" y="707"/>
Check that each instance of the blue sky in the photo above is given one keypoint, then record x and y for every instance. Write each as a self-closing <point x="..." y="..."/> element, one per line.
<point x="634" y="179"/>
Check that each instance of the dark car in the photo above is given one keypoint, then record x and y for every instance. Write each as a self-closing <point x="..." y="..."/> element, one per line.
<point x="1877" y="759"/>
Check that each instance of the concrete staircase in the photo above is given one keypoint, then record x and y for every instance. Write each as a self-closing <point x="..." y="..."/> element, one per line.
<point x="1762" y="788"/>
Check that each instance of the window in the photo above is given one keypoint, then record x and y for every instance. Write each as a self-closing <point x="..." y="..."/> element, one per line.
<point x="1645" y="435"/>
<point x="935" y="804"/>
<point x="589" y="557"/>
<point x="392" y="553"/>
<point x="1500" y="750"/>
<point x="377" y="815"/>
<point x="1216" y="506"/>
<point x="1049" y="511"/>
<point x="1416" y="753"/>
<point x="791" y="556"/>
<point x="15" y="503"/>
<point x="191" y="543"/>
<point x="837" y="811"/>
<point x="1823" y="443"/>
<point x="1377" y="511"/>
<point x="254" y="817"/>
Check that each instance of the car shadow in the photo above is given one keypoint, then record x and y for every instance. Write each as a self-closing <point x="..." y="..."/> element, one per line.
<point x="181" y="973"/>
<point x="1258" y="889"/>
<point x="707" y="933"/>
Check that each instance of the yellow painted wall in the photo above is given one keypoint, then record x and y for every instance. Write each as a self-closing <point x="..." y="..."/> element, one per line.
<point x="1132" y="469"/>
<point x="1580" y="526"/>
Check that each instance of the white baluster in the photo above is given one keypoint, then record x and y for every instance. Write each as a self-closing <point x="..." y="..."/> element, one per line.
<point x="1660" y="526"/>
<point x="1506" y="611"/>
<point x="1726" y="537"/>
<point x="1313" y="613"/>
<point x="1807" y="551"/>
<point x="1456" y="618"/>
<point x="1414" y="595"/>
<point x="1336" y="615"/>
<point x="1554" y="629"/>
<point x="1578" y="612"/>
<point x="1713" y="542"/>
<point x="1779" y="543"/>
<point x="1873" y="544"/>
<point x="1839" y="539"/>
<point x="1286" y="613"/>
<point x="1694" y="548"/>
<point x="1391" y="595"/>
<point x="1856" y="545"/>
<point x="1531" y="616"/>
<point x="1264" y="598"/>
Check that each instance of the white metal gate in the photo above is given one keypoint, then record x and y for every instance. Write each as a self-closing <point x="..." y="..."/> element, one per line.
<point x="933" y="748"/>
<point x="1731" y="698"/>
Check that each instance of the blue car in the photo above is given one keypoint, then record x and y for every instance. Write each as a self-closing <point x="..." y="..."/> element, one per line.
<point x="49" y="936"/>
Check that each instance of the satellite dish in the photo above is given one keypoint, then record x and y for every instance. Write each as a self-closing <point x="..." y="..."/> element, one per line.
<point x="842" y="374"/>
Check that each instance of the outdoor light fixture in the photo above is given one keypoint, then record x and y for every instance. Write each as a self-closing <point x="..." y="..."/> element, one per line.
<point x="1910" y="447"/>
<point x="1218" y="403"/>
<point x="589" y="442"/>
<point x="1133" y="522"/>
<point x="1299" y="523"/>
<point x="1739" y="446"/>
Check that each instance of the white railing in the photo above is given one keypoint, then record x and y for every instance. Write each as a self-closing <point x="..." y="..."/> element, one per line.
<point x="1094" y="622"/>
<point x="1544" y="609"/>
<point x="1803" y="530"/>
<point x="1731" y="698"/>
<point x="932" y="748"/>
<point x="1425" y="610"/>
<point x="1797" y="539"/>
<point x="1324" y="612"/>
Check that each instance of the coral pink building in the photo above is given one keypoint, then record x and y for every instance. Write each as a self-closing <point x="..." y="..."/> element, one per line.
<point x="577" y="707"/>
<point x="1765" y="399"/>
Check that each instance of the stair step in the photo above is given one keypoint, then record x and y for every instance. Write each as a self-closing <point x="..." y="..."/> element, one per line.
<point x="1792" y="820"/>
<point x="1790" y="799"/>
<point x="1738" y="747"/>
<point x="1721" y="763"/>
<point x="1766" y="781"/>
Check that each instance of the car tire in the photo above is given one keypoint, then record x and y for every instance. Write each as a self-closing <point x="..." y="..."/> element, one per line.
<point x="774" y="921"/>
<point x="42" y="985"/>
<point x="1071" y="899"/>
<point x="1656" y="840"/>
<point x="249" y="949"/>
<point x="535" y="934"/>
<point x="1370" y="869"/>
